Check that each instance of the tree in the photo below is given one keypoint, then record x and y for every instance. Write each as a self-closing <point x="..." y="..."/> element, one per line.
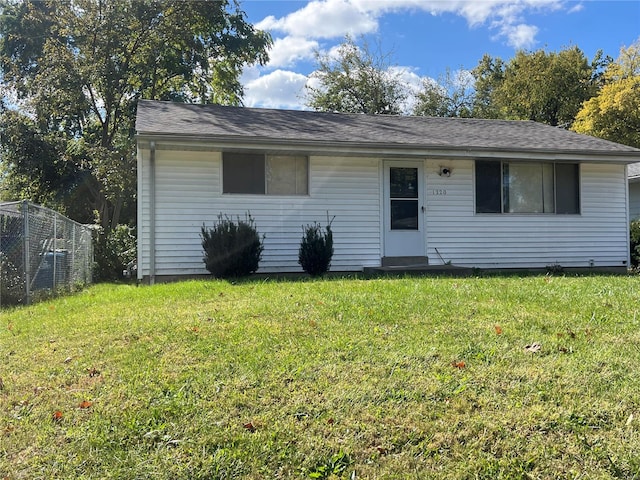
<point x="614" y="113"/>
<point x="488" y="76"/>
<point x="355" y="80"/>
<point x="452" y="96"/>
<point x="540" y="86"/>
<point x="77" y="69"/>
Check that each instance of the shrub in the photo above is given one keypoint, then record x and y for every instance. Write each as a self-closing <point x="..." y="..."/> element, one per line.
<point x="113" y="252"/>
<point x="316" y="249"/>
<point x="634" y="234"/>
<point x="232" y="249"/>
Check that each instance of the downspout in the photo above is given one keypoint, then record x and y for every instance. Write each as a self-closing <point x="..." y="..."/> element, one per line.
<point x="152" y="212"/>
<point x="628" y="210"/>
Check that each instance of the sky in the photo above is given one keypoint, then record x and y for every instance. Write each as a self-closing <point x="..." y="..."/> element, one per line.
<point x="425" y="38"/>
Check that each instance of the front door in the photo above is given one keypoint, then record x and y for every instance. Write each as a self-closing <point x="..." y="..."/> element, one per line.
<point x="403" y="217"/>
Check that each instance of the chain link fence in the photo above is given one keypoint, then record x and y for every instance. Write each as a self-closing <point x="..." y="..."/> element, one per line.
<point x="41" y="253"/>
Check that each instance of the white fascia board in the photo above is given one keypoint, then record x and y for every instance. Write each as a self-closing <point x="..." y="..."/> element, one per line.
<point x="172" y="142"/>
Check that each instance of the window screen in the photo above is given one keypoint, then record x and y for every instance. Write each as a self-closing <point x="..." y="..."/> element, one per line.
<point x="488" y="187"/>
<point x="567" y="191"/>
<point x="256" y="173"/>
<point x="287" y="175"/>
<point x="527" y="187"/>
<point x="243" y="173"/>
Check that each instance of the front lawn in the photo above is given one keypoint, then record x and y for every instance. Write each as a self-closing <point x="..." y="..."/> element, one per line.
<point x="497" y="377"/>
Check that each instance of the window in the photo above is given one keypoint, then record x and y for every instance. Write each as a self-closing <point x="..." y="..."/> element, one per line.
<point x="261" y="174"/>
<point x="527" y="187"/>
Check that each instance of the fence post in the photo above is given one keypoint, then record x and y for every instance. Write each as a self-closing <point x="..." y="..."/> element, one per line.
<point x="73" y="253"/>
<point x="1" y="254"/>
<point x="55" y="247"/>
<point x="26" y="255"/>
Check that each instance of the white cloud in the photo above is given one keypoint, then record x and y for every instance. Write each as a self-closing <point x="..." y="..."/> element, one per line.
<point x="297" y="36"/>
<point x="337" y="18"/>
<point x="520" y="36"/>
<point x="278" y="89"/>
<point x="289" y="50"/>
<point x="578" y="7"/>
<point x="324" y="19"/>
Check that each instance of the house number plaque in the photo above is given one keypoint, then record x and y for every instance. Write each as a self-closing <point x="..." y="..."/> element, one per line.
<point x="438" y="191"/>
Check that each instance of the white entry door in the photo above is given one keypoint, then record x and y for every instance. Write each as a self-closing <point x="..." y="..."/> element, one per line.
<point x="403" y="210"/>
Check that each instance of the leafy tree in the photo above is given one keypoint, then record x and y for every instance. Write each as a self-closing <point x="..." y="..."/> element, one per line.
<point x="452" y="96"/>
<point x="488" y="76"/>
<point x="540" y="86"/>
<point x="77" y="69"/>
<point x="614" y="113"/>
<point x="355" y="80"/>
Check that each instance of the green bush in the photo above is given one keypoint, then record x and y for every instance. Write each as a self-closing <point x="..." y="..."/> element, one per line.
<point x="232" y="249"/>
<point x="634" y="234"/>
<point x="316" y="249"/>
<point x="113" y="252"/>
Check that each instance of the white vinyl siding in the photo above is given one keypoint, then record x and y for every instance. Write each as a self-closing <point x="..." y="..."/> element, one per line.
<point x="189" y="193"/>
<point x="634" y="200"/>
<point x="465" y="238"/>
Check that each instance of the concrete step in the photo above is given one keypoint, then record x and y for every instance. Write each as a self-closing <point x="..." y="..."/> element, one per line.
<point x="404" y="261"/>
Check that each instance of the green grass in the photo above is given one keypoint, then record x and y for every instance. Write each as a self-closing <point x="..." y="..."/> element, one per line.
<point x="336" y="378"/>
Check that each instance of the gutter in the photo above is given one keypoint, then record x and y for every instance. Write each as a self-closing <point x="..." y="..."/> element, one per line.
<point x="402" y="150"/>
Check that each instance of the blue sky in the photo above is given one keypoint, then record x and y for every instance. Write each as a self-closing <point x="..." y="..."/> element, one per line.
<point x="426" y="37"/>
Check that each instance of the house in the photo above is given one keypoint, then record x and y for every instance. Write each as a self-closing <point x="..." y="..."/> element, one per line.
<point x="634" y="191"/>
<point x="468" y="192"/>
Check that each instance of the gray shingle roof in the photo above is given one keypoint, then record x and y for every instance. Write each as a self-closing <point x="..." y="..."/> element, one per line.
<point x="633" y="170"/>
<point x="255" y="124"/>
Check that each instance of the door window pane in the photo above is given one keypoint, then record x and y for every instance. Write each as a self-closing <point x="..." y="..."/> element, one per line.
<point x="404" y="215"/>
<point x="403" y="182"/>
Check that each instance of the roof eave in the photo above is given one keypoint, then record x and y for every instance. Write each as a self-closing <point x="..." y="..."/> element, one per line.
<point x="320" y="147"/>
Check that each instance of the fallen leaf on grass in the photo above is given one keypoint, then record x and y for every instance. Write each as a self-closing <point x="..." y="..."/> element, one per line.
<point x="10" y="327"/>
<point x="629" y="420"/>
<point x="533" y="348"/>
<point x="67" y="360"/>
<point x="249" y="427"/>
<point x="498" y="329"/>
<point x="459" y="364"/>
<point x="93" y="372"/>
<point x="1" y="384"/>
<point x="331" y="421"/>
<point x="85" y="404"/>
<point x="57" y="416"/>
